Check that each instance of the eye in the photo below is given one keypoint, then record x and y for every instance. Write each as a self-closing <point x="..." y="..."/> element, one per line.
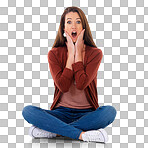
<point x="79" y="22"/>
<point x="68" y="22"/>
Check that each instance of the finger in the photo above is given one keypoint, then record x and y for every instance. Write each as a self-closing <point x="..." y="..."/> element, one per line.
<point x="67" y="35"/>
<point x="82" y="32"/>
<point x="69" y="39"/>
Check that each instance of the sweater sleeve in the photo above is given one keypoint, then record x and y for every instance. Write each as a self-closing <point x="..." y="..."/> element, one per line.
<point x="62" y="78"/>
<point x="84" y="77"/>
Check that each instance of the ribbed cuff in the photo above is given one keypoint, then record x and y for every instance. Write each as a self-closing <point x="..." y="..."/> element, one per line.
<point x="68" y="73"/>
<point x="77" y="66"/>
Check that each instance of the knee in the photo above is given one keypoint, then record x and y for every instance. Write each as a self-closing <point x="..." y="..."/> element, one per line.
<point x="112" y="112"/>
<point x="27" y="109"/>
<point x="108" y="110"/>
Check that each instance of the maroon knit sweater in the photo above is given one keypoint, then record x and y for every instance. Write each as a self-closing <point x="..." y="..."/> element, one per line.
<point x="85" y="75"/>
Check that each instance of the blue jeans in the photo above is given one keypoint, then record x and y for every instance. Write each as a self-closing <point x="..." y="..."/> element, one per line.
<point x="69" y="122"/>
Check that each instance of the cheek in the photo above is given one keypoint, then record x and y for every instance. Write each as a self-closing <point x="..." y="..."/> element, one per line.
<point x="80" y="29"/>
<point x="67" y="30"/>
<point x="66" y="26"/>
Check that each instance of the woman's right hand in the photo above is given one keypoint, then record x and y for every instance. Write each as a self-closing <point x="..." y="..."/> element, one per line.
<point x="70" y="45"/>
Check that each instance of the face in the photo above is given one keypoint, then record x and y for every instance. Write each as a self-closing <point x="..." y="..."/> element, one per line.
<point x="73" y="24"/>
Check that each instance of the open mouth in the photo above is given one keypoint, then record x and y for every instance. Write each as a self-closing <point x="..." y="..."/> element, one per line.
<point x="74" y="34"/>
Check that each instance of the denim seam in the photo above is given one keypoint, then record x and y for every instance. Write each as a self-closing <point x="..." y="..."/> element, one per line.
<point x="77" y="137"/>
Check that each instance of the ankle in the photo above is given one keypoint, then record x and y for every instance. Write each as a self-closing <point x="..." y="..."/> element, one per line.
<point x="80" y="137"/>
<point x="58" y="135"/>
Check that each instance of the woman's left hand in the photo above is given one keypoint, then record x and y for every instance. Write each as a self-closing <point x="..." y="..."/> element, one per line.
<point x="79" y="45"/>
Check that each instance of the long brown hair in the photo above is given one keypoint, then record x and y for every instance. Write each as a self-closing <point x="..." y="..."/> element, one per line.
<point x="60" y="39"/>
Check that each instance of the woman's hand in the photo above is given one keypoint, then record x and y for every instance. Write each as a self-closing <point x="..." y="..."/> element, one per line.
<point x="70" y="45"/>
<point x="79" y="45"/>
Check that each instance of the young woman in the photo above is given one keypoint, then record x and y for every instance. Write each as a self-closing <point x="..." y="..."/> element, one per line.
<point x="73" y="61"/>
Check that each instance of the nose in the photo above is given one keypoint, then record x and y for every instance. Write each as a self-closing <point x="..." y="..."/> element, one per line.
<point x="73" y="25"/>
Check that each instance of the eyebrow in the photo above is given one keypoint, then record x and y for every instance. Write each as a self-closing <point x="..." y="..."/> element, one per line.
<point x="70" y="18"/>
